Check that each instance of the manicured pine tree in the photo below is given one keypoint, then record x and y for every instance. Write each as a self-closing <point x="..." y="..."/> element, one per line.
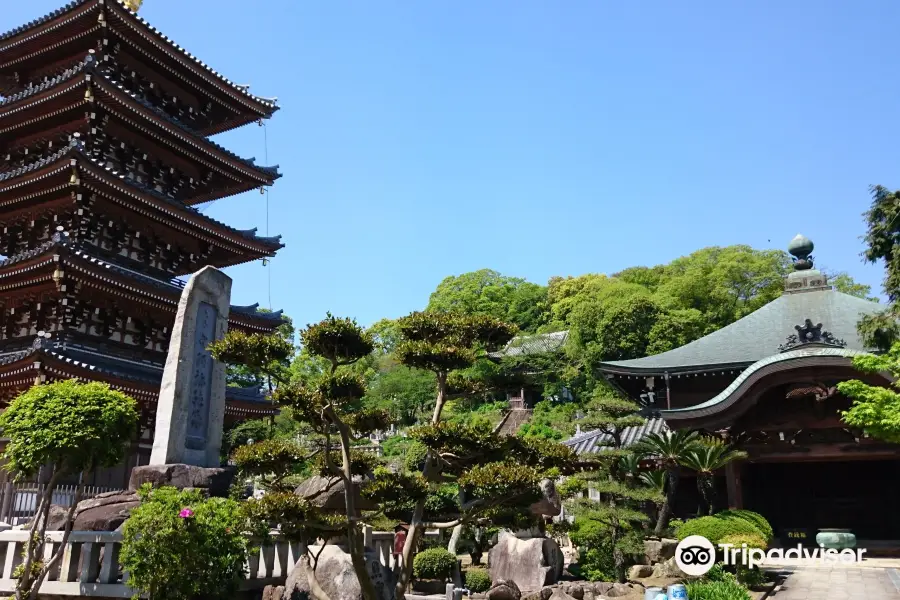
<point x="612" y="475"/>
<point x="494" y="474"/>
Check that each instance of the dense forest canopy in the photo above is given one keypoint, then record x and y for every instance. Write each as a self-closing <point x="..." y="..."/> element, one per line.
<point x="635" y="312"/>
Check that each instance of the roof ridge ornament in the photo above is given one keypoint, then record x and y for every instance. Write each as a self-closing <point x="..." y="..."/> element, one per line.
<point x="133" y="5"/>
<point x="801" y="248"/>
<point x="804" y="277"/>
<point x="810" y="334"/>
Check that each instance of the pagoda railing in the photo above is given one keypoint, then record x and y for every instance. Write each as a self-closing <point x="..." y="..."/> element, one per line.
<point x="18" y="501"/>
<point x="90" y="562"/>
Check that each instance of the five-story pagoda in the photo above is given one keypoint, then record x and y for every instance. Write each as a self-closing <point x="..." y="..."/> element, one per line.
<point x="104" y="154"/>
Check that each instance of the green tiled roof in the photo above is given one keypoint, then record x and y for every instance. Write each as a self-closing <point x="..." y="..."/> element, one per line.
<point x="538" y="343"/>
<point x="759" y="334"/>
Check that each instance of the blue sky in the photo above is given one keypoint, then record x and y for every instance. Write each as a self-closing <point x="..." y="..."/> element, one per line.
<point x="423" y="139"/>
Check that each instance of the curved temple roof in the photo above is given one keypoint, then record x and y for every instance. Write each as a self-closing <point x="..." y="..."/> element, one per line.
<point x="802" y="357"/>
<point x="759" y="334"/>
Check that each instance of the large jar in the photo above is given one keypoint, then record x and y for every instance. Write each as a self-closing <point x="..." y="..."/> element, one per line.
<point x="838" y="539"/>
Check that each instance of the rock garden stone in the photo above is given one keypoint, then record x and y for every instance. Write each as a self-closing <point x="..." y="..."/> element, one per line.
<point x="657" y="551"/>
<point x="504" y="590"/>
<point x="338" y="579"/>
<point x="668" y="569"/>
<point x="532" y="563"/>
<point x="640" y="571"/>
<point x="328" y="493"/>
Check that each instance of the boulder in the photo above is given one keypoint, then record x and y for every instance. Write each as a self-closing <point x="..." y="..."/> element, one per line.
<point x="328" y="493"/>
<point x="624" y="590"/>
<point x="601" y="587"/>
<point x="338" y="579"/>
<point x="668" y="569"/>
<point x="575" y="590"/>
<point x="657" y="551"/>
<point x="559" y="594"/>
<point x="215" y="481"/>
<point x="104" y="512"/>
<point x="542" y="594"/>
<point x="640" y="571"/>
<point x="273" y="592"/>
<point x="504" y="590"/>
<point x="550" y="505"/>
<point x="532" y="564"/>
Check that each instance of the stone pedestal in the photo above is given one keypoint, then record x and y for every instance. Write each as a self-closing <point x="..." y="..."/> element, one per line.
<point x="214" y="481"/>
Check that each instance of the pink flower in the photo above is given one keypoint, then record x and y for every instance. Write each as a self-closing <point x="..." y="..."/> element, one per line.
<point x="186" y="513"/>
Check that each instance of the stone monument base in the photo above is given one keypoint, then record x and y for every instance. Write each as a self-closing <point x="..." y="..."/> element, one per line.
<point x="216" y="482"/>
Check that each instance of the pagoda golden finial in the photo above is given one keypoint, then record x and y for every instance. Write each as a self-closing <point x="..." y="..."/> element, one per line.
<point x="133" y="5"/>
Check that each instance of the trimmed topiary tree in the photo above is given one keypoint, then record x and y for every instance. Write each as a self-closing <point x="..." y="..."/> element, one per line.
<point x="179" y="545"/>
<point x="478" y="580"/>
<point x="434" y="563"/>
<point x="74" y="428"/>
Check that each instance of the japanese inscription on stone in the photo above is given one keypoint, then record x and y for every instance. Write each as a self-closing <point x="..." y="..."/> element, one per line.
<point x="201" y="377"/>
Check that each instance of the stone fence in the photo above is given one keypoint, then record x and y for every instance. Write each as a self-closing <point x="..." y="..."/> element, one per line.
<point x="90" y="563"/>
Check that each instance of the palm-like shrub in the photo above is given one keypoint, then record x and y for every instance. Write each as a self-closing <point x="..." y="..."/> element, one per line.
<point x="706" y="457"/>
<point x="669" y="450"/>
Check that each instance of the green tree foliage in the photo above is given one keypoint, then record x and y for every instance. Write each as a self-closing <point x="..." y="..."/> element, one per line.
<point x="882" y="237"/>
<point x="179" y="545"/>
<point x="491" y="294"/>
<point x="407" y="394"/>
<point x="74" y="428"/>
<point x="844" y="283"/>
<point x="875" y="409"/>
<point x="467" y="473"/>
<point x="240" y="375"/>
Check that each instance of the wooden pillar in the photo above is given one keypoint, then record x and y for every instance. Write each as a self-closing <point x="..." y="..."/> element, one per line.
<point x="734" y="484"/>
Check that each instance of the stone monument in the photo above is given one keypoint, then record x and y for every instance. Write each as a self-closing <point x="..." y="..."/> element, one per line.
<point x="191" y="410"/>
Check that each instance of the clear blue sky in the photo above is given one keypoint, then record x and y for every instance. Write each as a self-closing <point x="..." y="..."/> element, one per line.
<point x="423" y="139"/>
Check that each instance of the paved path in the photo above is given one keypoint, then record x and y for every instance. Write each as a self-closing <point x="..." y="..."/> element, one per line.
<point x="813" y="583"/>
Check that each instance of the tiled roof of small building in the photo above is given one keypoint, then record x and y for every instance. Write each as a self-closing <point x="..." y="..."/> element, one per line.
<point x="538" y="343"/>
<point x="589" y="442"/>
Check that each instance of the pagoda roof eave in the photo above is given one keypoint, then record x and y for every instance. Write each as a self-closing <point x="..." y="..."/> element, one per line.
<point x="63" y="361"/>
<point x="84" y="72"/>
<point x="757" y="335"/>
<point x="62" y="160"/>
<point x="253" y="107"/>
<point x="99" y="272"/>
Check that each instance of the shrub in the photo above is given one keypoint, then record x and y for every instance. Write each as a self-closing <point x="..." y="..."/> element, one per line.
<point x="715" y="528"/>
<point x="757" y="519"/>
<point x="478" y="580"/>
<point x="753" y="540"/>
<point x="595" y="552"/>
<point x="434" y="563"/>
<point x="718" y="573"/>
<point x="716" y="590"/>
<point x="177" y="545"/>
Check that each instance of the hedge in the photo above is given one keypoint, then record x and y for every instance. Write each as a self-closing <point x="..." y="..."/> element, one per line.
<point x="755" y="518"/>
<point x="716" y="527"/>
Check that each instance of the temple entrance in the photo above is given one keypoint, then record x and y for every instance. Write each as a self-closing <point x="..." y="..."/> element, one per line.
<point x="856" y="495"/>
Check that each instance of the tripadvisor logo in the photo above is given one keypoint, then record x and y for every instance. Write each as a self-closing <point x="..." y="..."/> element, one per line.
<point x="695" y="555"/>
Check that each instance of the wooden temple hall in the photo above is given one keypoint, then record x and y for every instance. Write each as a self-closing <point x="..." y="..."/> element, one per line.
<point x="767" y="382"/>
<point x="105" y="155"/>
